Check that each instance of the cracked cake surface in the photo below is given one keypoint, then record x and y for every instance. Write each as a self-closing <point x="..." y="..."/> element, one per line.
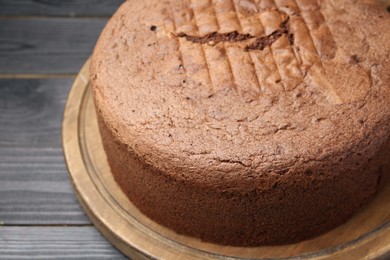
<point x="245" y="122"/>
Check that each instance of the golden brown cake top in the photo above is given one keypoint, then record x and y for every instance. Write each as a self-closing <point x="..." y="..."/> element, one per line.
<point x="246" y="87"/>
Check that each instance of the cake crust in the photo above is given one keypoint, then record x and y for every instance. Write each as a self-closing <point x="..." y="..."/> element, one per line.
<point x="245" y="122"/>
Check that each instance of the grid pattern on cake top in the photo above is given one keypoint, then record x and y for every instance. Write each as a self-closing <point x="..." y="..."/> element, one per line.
<point x="280" y="65"/>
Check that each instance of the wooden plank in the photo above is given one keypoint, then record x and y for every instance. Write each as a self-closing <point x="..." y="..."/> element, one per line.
<point x="55" y="243"/>
<point x="73" y="8"/>
<point x="34" y="186"/>
<point x="31" y="111"/>
<point x="47" y="45"/>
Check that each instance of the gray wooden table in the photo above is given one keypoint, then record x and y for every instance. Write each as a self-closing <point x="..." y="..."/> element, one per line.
<point x="43" y="44"/>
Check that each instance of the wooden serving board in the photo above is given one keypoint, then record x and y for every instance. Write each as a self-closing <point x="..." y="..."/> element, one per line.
<point x="365" y="236"/>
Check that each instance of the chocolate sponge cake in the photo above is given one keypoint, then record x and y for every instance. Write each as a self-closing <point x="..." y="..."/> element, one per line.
<point x="245" y="122"/>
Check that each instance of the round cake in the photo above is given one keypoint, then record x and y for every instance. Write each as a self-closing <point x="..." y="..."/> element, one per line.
<point x="245" y="122"/>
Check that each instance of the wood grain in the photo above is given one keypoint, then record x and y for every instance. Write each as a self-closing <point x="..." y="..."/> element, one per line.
<point x="34" y="186"/>
<point x="71" y="8"/>
<point x="47" y="45"/>
<point x="31" y="112"/>
<point x="55" y="243"/>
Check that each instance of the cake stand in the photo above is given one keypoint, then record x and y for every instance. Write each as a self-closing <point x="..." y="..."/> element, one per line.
<point x="365" y="236"/>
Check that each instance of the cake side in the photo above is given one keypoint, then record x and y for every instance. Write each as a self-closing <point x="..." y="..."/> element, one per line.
<point x="295" y="208"/>
<point x="214" y="153"/>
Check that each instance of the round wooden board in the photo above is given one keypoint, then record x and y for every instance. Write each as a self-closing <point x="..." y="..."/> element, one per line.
<point x="365" y="236"/>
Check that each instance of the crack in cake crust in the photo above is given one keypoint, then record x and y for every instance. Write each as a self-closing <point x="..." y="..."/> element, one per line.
<point x="215" y="37"/>
<point x="259" y="43"/>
